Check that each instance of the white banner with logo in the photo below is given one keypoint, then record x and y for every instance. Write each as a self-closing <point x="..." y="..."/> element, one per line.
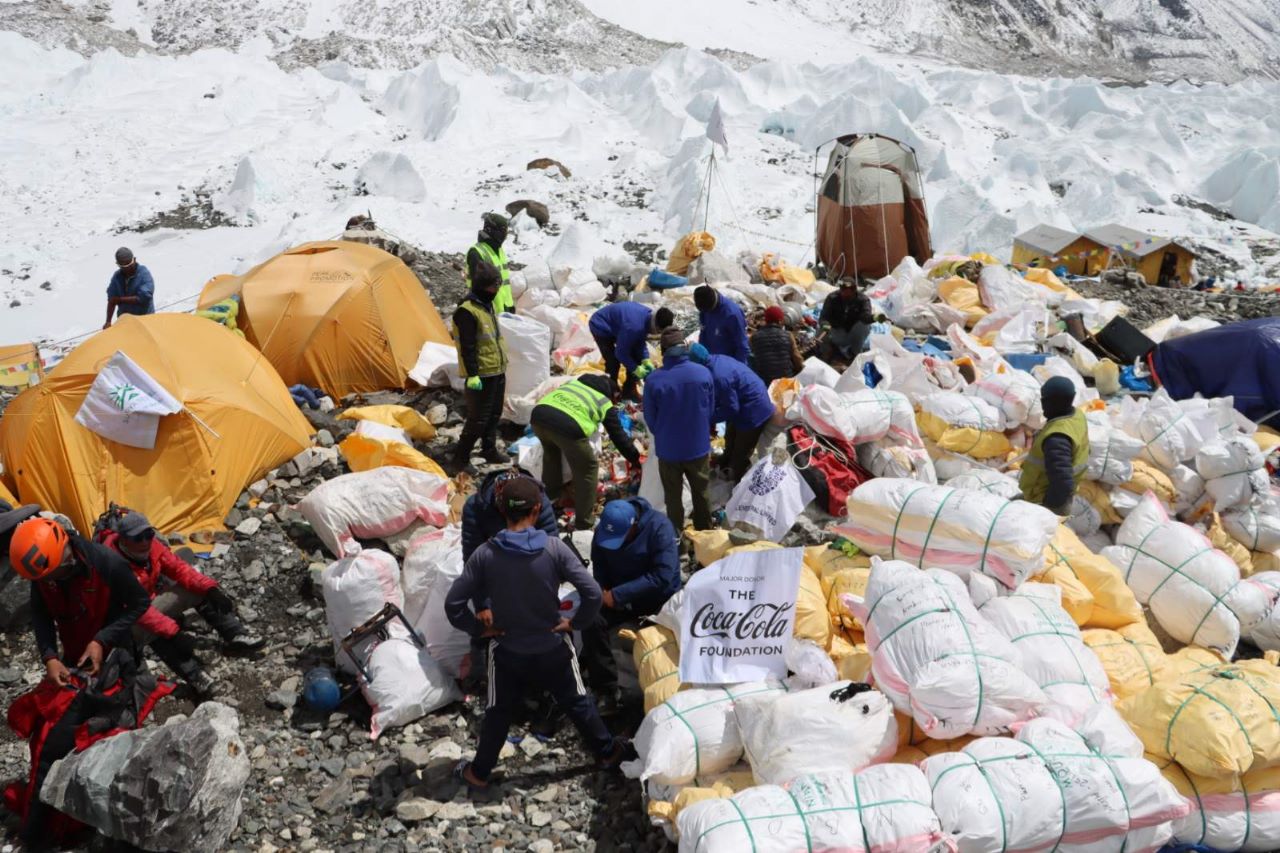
<point x="737" y="617"/>
<point x="125" y="404"/>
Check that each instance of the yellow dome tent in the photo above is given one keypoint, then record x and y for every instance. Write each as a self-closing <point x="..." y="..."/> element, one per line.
<point x="342" y="316"/>
<point x="237" y="422"/>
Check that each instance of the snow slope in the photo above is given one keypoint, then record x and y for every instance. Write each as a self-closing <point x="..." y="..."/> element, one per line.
<point x="155" y="151"/>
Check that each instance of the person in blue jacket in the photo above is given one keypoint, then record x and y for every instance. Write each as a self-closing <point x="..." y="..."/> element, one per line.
<point x="621" y="330"/>
<point x="636" y="562"/>
<point x="132" y="290"/>
<point x="742" y="402"/>
<point x="724" y="326"/>
<point x="678" y="401"/>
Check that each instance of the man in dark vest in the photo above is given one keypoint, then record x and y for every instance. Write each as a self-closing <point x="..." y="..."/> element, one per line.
<point x="774" y="354"/>
<point x="482" y="361"/>
<point x="488" y="249"/>
<point x="1060" y="453"/>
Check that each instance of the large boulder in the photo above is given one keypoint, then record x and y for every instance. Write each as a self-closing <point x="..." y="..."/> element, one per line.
<point x="171" y="787"/>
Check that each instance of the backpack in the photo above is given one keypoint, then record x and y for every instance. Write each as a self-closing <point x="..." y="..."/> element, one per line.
<point x="109" y="522"/>
<point x="829" y="465"/>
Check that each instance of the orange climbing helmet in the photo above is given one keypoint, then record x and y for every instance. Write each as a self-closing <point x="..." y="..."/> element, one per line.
<point x="37" y="547"/>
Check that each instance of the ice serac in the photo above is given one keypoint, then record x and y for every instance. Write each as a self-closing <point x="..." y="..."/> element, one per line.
<point x="392" y="175"/>
<point x="171" y="787"/>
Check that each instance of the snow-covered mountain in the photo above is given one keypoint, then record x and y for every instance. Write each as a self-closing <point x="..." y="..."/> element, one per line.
<point x="1129" y="40"/>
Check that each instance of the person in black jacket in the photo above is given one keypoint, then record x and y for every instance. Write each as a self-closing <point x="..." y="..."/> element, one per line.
<point x="774" y="354"/>
<point x="520" y="571"/>
<point x="481" y="518"/>
<point x="844" y="324"/>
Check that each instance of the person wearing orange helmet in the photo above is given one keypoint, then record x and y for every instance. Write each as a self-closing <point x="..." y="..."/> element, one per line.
<point x="86" y="596"/>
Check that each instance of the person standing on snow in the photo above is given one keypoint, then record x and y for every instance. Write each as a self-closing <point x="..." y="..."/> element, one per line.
<point x="774" y="353"/>
<point x="636" y="561"/>
<point x="174" y="587"/>
<point x="132" y="290"/>
<point x="482" y="360"/>
<point x="621" y="330"/>
<point x="564" y="421"/>
<point x="1059" y="454"/>
<point x="85" y="595"/>
<point x="678" y="403"/>
<point x="844" y="324"/>
<point x="724" y="326"/>
<point x="488" y="249"/>
<point x="742" y="402"/>
<point x="520" y="571"/>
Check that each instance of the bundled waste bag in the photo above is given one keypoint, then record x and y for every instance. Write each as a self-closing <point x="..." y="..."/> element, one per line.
<point x="372" y="504"/>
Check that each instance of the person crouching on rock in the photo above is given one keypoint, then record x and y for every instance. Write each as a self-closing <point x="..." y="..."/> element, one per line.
<point x="174" y="586"/>
<point x="519" y="572"/>
<point x="86" y="596"/>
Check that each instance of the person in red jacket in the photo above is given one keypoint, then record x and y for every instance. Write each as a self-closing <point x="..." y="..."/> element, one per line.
<point x="85" y="596"/>
<point x="174" y="587"/>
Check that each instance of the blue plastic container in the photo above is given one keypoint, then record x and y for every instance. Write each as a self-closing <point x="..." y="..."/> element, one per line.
<point x="320" y="691"/>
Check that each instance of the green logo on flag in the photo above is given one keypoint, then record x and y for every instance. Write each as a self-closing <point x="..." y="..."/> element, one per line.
<point x="123" y="395"/>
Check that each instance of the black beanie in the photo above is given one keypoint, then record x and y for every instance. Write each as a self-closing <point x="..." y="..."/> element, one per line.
<point x="704" y="297"/>
<point x="1057" y="396"/>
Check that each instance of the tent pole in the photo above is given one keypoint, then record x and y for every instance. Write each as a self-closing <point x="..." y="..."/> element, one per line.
<point x="711" y="164"/>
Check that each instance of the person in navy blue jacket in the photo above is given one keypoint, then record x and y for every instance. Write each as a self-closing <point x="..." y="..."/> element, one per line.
<point x="636" y="562"/>
<point x="724" y="326"/>
<point x="742" y="402"/>
<point x="481" y="519"/>
<point x="132" y="290"/>
<point x="621" y="330"/>
<point x="678" y="401"/>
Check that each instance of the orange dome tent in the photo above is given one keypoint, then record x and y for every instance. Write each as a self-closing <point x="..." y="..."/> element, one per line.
<point x="237" y="422"/>
<point x="342" y="316"/>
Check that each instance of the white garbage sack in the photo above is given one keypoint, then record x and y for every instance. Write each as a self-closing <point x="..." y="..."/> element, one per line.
<point x="1234" y="471"/>
<point x="1193" y="590"/>
<point x="528" y="352"/>
<point x="577" y="345"/>
<point x="835" y="727"/>
<point x="651" y="486"/>
<point x="555" y="318"/>
<point x="405" y="683"/>
<point x="1015" y="394"/>
<point x="1049" y="789"/>
<point x="885" y="458"/>
<point x="1053" y="652"/>
<point x="768" y="500"/>
<point x="1256" y="526"/>
<point x="1238" y="813"/>
<point x="982" y="421"/>
<point x="1265" y="633"/>
<point x="884" y="808"/>
<point x="817" y="372"/>
<point x="1058" y="366"/>
<point x="936" y="658"/>
<point x="714" y="268"/>
<point x="531" y="299"/>
<point x="374" y="503"/>
<point x="954" y="529"/>
<point x="519" y="410"/>
<point x="1111" y="451"/>
<point x="692" y="733"/>
<point x="582" y="295"/>
<point x="356" y="588"/>
<point x="437" y="366"/>
<point x="809" y="665"/>
<point x="989" y="481"/>
<point x="859" y="416"/>
<point x="1169" y="435"/>
<point x="431" y="565"/>
<point x="907" y="372"/>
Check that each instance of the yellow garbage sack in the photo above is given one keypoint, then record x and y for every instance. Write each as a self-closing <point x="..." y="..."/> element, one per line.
<point x="781" y="272"/>
<point x="656" y="652"/>
<point x="364" y="453"/>
<point x="915" y="746"/>
<point x="852" y="657"/>
<point x="985" y="258"/>
<point x="708" y="545"/>
<point x="687" y="248"/>
<point x="1100" y="499"/>
<point x="812" y="620"/>
<point x="1267" y="439"/>
<point x="783" y="392"/>
<point x="719" y="787"/>
<point x="839" y="574"/>
<point x="962" y="295"/>
<point x="1113" y="603"/>
<point x="1148" y="478"/>
<point x="1265" y="561"/>
<point x="1219" y="721"/>
<point x="1226" y="543"/>
<point x="980" y="444"/>
<point x="413" y="423"/>
<point x="1131" y="657"/>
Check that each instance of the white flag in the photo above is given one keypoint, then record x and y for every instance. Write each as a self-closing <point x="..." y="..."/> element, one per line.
<point x="715" y="127"/>
<point x="124" y="404"/>
<point x="737" y="616"/>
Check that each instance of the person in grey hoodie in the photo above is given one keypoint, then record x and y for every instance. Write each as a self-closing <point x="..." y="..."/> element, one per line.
<point x="519" y="571"/>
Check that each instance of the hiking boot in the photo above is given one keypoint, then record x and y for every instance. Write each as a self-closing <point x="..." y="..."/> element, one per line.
<point x="622" y="751"/>
<point x="477" y="789"/>
<point x="548" y="723"/>
<point x="494" y="456"/>
<point x="202" y="684"/>
<point x="245" y="641"/>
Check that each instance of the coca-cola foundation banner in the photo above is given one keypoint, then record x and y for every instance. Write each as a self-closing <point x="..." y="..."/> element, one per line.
<point x="737" y="617"/>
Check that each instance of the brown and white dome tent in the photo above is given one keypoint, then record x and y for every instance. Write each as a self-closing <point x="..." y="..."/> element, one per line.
<point x="870" y="207"/>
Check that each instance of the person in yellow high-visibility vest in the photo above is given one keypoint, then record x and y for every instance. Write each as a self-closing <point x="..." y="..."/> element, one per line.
<point x="488" y="248"/>
<point x="1056" y="463"/>
<point x="482" y="361"/>
<point x="564" y="421"/>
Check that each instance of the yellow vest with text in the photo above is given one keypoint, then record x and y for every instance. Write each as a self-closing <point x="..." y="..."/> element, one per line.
<point x="1034" y="481"/>
<point x="584" y="404"/>
<point x="503" y="301"/>
<point x="491" y="349"/>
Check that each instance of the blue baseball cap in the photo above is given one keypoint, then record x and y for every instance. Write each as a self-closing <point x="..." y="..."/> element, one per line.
<point x="615" y="523"/>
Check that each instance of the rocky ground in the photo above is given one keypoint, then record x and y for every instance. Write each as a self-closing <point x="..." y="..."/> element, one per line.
<point x="319" y="782"/>
<point x="1149" y="304"/>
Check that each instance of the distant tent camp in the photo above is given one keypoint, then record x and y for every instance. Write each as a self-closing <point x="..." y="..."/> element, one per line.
<point x="871" y="211"/>
<point x="1161" y="260"/>
<point x="1050" y="247"/>
<point x="235" y="421"/>
<point x="342" y="316"/>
